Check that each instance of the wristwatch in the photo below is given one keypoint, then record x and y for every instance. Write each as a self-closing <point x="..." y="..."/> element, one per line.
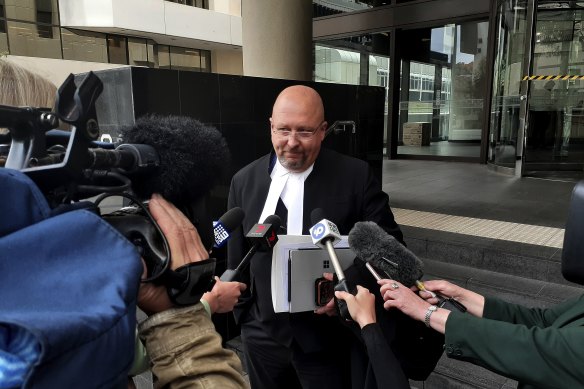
<point x="429" y="312"/>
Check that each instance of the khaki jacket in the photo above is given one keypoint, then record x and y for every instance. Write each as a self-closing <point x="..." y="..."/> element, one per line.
<point x="186" y="351"/>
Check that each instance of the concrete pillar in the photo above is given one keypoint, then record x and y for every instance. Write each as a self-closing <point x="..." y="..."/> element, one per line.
<point x="277" y="38"/>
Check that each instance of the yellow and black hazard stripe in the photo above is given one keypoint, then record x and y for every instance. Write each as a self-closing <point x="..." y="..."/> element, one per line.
<point x="553" y="77"/>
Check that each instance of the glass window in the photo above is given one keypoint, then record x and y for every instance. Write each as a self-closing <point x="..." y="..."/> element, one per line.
<point x="206" y="61"/>
<point x="163" y="54"/>
<point x="138" y="52"/>
<point x="152" y="53"/>
<point x="444" y="113"/>
<point x="192" y="3"/>
<point x="84" y="46"/>
<point x="29" y="39"/>
<point x="41" y="11"/>
<point x="185" y="59"/>
<point x="117" y="49"/>
<point x="327" y="7"/>
<point x="3" y="38"/>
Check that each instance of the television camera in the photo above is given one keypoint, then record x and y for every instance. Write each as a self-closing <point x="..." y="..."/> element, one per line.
<point x="70" y="166"/>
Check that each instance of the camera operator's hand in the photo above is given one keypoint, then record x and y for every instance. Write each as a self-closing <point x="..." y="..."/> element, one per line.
<point x="224" y="295"/>
<point x="185" y="247"/>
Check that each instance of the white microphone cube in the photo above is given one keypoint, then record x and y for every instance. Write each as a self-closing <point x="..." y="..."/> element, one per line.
<point x="323" y="231"/>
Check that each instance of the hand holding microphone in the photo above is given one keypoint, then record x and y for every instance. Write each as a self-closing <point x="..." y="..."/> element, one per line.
<point x="383" y="252"/>
<point x="325" y="234"/>
<point x="361" y="306"/>
<point x="262" y="235"/>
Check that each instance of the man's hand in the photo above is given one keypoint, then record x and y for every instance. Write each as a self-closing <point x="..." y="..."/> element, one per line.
<point x="224" y="295"/>
<point x="185" y="247"/>
<point x="330" y="309"/>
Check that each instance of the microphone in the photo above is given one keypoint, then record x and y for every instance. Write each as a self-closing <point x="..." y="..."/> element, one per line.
<point x="380" y="250"/>
<point x="192" y="156"/>
<point x="325" y="234"/>
<point x="226" y="224"/>
<point x="262" y="235"/>
<point x="376" y="247"/>
<point x="183" y="159"/>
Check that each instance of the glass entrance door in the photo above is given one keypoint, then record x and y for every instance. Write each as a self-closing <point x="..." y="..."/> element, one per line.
<point x="505" y="135"/>
<point x="554" y="139"/>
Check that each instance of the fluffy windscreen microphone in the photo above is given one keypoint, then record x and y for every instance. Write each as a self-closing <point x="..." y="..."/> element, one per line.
<point x="192" y="157"/>
<point x="375" y="246"/>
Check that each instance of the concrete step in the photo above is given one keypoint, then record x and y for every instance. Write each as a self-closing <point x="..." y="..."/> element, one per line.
<point x="518" y="259"/>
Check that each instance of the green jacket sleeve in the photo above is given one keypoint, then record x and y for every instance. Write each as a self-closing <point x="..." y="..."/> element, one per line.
<point x="541" y="317"/>
<point x="539" y="347"/>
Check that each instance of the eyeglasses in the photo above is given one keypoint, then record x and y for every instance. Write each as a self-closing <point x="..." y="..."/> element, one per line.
<point x="303" y="133"/>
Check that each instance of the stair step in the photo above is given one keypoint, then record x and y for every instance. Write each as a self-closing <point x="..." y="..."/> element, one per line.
<point x="522" y="260"/>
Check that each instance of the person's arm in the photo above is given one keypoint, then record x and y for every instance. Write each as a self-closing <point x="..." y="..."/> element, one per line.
<point x="224" y="295"/>
<point x="386" y="367"/>
<point x="186" y="351"/>
<point x="530" y="354"/>
<point x="406" y="300"/>
<point x="550" y="357"/>
<point x="474" y="302"/>
<point x="184" y="348"/>
<point x="513" y="313"/>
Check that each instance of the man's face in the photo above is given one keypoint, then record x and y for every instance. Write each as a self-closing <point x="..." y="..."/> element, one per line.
<point x="297" y="132"/>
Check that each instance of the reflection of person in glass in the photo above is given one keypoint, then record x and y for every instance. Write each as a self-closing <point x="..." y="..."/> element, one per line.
<point x="537" y="347"/>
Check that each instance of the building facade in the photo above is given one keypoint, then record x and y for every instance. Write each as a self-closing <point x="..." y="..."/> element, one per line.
<point x="490" y="81"/>
<point x="58" y="37"/>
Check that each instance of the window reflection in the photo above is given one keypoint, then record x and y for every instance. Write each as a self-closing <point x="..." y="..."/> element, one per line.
<point x="117" y="49"/>
<point x="84" y="46"/>
<point x="41" y="11"/>
<point x="138" y="52"/>
<point x="3" y="38"/>
<point x="192" y="3"/>
<point x="29" y="39"/>
<point x="185" y="59"/>
<point x="163" y="57"/>
<point x="443" y="80"/>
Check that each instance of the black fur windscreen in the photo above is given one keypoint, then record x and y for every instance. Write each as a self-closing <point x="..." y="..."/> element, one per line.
<point x="372" y="244"/>
<point x="192" y="156"/>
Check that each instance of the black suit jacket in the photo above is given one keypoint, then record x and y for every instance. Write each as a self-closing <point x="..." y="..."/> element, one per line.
<point x="346" y="190"/>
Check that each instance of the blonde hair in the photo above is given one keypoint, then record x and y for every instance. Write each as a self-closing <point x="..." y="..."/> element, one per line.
<point x="21" y="87"/>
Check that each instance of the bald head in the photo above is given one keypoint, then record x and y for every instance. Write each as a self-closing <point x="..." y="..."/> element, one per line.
<point x="298" y="110"/>
<point x="300" y="98"/>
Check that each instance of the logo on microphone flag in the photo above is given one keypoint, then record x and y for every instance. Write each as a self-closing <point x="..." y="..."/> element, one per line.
<point x="317" y="231"/>
<point x="221" y="234"/>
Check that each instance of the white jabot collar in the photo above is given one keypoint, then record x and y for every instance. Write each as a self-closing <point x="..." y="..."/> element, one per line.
<point x="290" y="187"/>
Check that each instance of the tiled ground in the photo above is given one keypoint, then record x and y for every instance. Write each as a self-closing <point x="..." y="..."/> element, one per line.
<point x="508" y="231"/>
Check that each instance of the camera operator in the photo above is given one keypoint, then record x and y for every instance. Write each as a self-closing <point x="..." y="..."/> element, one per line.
<point x="184" y="348"/>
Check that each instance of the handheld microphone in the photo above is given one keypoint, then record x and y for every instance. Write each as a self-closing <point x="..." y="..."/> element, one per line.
<point x="262" y="235"/>
<point x="226" y="224"/>
<point x="325" y="234"/>
<point x="382" y="251"/>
